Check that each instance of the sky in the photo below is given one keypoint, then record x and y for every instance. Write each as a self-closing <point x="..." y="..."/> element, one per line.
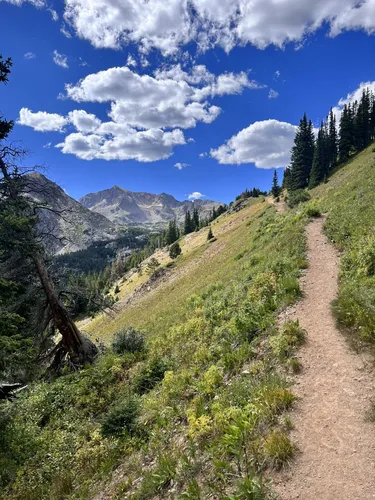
<point x="195" y="98"/>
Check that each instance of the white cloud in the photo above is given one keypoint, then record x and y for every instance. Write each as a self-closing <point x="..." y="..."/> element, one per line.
<point x="60" y="59"/>
<point x="180" y="166"/>
<point x="272" y="94"/>
<point x="42" y="121"/>
<point x="113" y="142"/>
<point x="277" y="74"/>
<point x="29" y="55"/>
<point x="267" y="144"/>
<point x="195" y="196"/>
<point x="65" y="32"/>
<point x="19" y="3"/>
<point x="203" y="155"/>
<point x="82" y="62"/>
<point x="131" y="61"/>
<point x="84" y="122"/>
<point x="169" y="25"/>
<point x="54" y="14"/>
<point x="191" y="139"/>
<point x="47" y="145"/>
<point x="147" y="112"/>
<point x="164" y="101"/>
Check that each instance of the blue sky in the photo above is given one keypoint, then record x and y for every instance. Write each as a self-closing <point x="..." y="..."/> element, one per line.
<point x="128" y="92"/>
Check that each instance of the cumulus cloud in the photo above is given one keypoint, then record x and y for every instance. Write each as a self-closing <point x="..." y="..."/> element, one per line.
<point x="266" y="143"/>
<point x="196" y="196"/>
<point x="166" y="100"/>
<point x="60" y="59"/>
<point x="169" y="25"/>
<point x="84" y="122"/>
<point x="131" y="61"/>
<point x="180" y="166"/>
<point x="272" y="94"/>
<point x="112" y="142"/>
<point x="29" y="55"/>
<point x="147" y="112"/>
<point x="42" y="121"/>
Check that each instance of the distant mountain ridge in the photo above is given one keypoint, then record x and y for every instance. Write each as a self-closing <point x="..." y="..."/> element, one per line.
<point x="69" y="225"/>
<point x="122" y="206"/>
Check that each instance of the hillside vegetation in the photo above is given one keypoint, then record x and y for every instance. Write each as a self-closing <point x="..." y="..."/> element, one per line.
<point x="195" y="412"/>
<point x="193" y="401"/>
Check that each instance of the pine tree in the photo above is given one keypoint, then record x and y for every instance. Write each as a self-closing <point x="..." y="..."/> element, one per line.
<point x="302" y="155"/>
<point x="372" y="116"/>
<point x="210" y="235"/>
<point x="362" y="124"/>
<point x="189" y="226"/>
<point x="321" y="158"/>
<point x="275" y="190"/>
<point x="345" y="141"/>
<point x="172" y="233"/>
<point x="332" y="141"/>
<point x="196" y="218"/>
<point x="175" y="250"/>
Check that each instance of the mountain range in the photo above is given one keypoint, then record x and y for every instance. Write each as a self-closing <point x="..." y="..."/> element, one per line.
<point x="70" y="225"/>
<point x="126" y="207"/>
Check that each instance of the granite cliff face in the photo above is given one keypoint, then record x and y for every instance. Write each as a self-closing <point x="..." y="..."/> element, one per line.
<point x="67" y="226"/>
<point x="126" y="207"/>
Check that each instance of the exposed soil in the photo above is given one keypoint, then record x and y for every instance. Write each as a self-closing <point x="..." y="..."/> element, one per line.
<point x="336" y="444"/>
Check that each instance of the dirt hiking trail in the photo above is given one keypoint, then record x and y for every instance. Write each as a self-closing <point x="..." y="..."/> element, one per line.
<point x="336" y="445"/>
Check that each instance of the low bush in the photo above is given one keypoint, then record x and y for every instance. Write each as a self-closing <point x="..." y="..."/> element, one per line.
<point x="297" y="197"/>
<point x="151" y="375"/>
<point x="312" y="210"/>
<point x="278" y="449"/>
<point x="128" y="340"/>
<point x="121" y="418"/>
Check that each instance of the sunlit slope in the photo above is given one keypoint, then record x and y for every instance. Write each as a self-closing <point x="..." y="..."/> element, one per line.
<point x="349" y="200"/>
<point x="201" y="264"/>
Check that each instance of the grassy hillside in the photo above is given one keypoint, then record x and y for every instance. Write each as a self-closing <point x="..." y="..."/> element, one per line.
<point x="201" y="409"/>
<point x="349" y="200"/>
<point x="198" y="412"/>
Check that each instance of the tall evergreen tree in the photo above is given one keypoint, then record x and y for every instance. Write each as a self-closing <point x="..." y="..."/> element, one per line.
<point x="189" y="226"/>
<point x="332" y="141"/>
<point x="346" y="136"/>
<point x="196" y="218"/>
<point x="275" y="190"/>
<point x="372" y="116"/>
<point x="302" y="155"/>
<point x="321" y="158"/>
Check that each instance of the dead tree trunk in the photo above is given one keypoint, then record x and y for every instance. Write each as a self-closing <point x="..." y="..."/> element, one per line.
<point x="79" y="348"/>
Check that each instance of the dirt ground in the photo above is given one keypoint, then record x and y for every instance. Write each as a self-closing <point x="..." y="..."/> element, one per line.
<point x="336" y="444"/>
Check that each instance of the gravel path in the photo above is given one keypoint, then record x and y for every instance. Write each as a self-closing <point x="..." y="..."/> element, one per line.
<point x="336" y="458"/>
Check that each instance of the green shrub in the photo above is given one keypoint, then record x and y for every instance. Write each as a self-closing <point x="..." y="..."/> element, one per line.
<point x="151" y="375"/>
<point x="297" y="197"/>
<point x="174" y="250"/>
<point x="312" y="210"/>
<point x="128" y="340"/>
<point x="117" y="289"/>
<point x="121" y="418"/>
<point x="278" y="449"/>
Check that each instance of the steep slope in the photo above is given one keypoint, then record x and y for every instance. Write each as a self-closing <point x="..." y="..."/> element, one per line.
<point x="70" y="226"/>
<point x="127" y="207"/>
<point x="205" y="395"/>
